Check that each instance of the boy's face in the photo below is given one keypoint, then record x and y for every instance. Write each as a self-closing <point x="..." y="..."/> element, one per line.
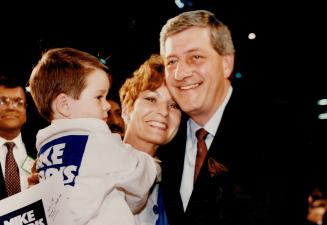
<point x="92" y="102"/>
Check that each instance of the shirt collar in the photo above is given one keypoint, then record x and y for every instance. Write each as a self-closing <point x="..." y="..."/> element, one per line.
<point x="212" y="125"/>
<point x="17" y="140"/>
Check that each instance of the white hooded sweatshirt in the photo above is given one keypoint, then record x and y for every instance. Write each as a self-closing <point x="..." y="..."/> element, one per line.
<point x="106" y="180"/>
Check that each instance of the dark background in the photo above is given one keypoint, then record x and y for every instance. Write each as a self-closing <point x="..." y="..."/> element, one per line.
<point x="285" y="64"/>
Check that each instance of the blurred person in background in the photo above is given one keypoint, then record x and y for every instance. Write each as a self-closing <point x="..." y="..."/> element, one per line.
<point x="115" y="120"/>
<point x="12" y="130"/>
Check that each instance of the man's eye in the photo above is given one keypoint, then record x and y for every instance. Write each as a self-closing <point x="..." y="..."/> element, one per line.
<point x="171" y="62"/>
<point x="20" y="102"/>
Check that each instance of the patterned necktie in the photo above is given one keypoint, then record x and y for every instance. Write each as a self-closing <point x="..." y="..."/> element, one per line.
<point x="202" y="150"/>
<point x="12" y="172"/>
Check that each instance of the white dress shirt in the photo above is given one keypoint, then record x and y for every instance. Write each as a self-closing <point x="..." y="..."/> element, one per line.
<point x="20" y="155"/>
<point x="190" y="154"/>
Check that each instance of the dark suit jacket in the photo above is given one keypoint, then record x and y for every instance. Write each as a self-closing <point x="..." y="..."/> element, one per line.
<point x="261" y="185"/>
<point x="29" y="141"/>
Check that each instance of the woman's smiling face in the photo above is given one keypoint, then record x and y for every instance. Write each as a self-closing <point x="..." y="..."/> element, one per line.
<point x="155" y="117"/>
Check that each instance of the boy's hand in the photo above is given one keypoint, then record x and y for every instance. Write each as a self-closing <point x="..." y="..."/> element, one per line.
<point x="34" y="177"/>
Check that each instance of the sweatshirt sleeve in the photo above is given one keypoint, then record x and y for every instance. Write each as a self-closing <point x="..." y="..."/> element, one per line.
<point x="123" y="168"/>
<point x="138" y="184"/>
<point x="105" y="179"/>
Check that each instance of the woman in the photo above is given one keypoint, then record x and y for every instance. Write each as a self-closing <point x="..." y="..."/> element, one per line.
<point x="152" y="118"/>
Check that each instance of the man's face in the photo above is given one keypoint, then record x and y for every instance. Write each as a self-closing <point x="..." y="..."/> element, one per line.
<point x="196" y="75"/>
<point x="12" y="109"/>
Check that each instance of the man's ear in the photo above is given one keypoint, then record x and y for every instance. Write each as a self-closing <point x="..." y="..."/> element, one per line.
<point x="61" y="106"/>
<point x="228" y="65"/>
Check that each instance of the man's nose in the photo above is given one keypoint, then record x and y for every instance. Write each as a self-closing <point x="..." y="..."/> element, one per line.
<point x="182" y="71"/>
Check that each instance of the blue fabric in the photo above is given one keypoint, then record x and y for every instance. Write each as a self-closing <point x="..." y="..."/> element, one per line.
<point x="62" y="155"/>
<point x="162" y="219"/>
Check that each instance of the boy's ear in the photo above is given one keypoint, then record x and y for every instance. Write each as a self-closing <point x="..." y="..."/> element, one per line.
<point x="61" y="105"/>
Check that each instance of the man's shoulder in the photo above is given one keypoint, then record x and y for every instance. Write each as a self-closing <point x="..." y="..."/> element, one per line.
<point x="29" y="140"/>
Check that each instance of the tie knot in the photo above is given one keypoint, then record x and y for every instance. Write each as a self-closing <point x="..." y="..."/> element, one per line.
<point x="201" y="134"/>
<point x="10" y="145"/>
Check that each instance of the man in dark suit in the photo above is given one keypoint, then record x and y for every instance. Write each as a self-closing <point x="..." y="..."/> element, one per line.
<point x="12" y="119"/>
<point x="247" y="176"/>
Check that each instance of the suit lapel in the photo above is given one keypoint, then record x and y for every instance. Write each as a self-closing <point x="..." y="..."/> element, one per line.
<point x="29" y="142"/>
<point x="222" y="139"/>
<point x="208" y="185"/>
<point x="3" y="192"/>
<point x="171" y="156"/>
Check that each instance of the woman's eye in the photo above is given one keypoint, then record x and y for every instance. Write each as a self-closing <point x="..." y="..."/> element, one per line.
<point x="174" y="106"/>
<point x="150" y="99"/>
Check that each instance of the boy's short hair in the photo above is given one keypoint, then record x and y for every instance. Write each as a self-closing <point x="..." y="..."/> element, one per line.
<point x="61" y="70"/>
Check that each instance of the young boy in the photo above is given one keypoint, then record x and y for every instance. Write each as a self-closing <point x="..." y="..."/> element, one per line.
<point x="106" y="180"/>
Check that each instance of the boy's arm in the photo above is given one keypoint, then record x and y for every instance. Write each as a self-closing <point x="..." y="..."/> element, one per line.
<point x="33" y="178"/>
<point x="138" y="184"/>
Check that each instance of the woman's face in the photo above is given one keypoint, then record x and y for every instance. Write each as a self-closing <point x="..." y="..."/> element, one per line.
<point x="154" y="119"/>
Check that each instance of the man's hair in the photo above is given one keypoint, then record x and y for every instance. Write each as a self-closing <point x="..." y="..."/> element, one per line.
<point x="149" y="76"/>
<point x="61" y="70"/>
<point x="221" y="38"/>
<point x="8" y="81"/>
